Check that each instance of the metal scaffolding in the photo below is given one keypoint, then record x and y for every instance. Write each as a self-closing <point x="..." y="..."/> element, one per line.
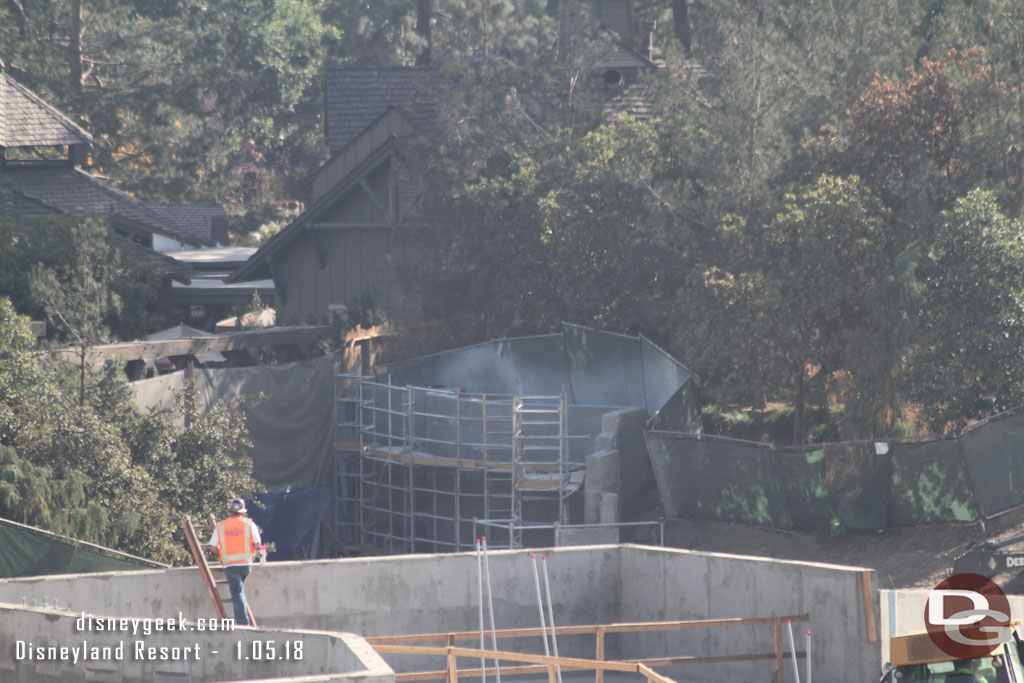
<point x="418" y="468"/>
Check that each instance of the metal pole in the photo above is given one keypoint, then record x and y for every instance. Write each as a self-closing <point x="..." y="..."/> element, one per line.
<point x="490" y="608"/>
<point x="360" y="464"/>
<point x="412" y="467"/>
<point x="486" y="468"/>
<point x="808" y="648"/>
<point x="563" y="516"/>
<point x="514" y="499"/>
<point x="480" y="592"/>
<point x="391" y="481"/>
<point x="540" y="606"/>
<point x="792" y="650"/>
<point x="551" y="616"/>
<point x="458" y="469"/>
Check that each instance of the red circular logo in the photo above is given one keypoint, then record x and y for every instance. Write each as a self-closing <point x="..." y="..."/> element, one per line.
<point x="967" y="616"/>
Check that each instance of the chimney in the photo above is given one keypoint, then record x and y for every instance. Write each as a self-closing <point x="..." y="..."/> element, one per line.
<point x="648" y="26"/>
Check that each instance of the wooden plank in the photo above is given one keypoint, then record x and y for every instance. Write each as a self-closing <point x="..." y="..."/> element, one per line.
<point x="441" y="675"/>
<point x="511" y="656"/>
<point x="537" y="484"/>
<point x="622" y="627"/>
<point x="405" y="458"/>
<point x="653" y="675"/>
<point x="599" y="654"/>
<point x="869" y="605"/>
<point x="709" y="659"/>
<point x="237" y="341"/>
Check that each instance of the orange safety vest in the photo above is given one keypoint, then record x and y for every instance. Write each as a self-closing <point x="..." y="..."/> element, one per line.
<point x="236" y="544"/>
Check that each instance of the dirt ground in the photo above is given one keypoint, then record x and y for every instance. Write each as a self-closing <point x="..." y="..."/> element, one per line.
<point x="904" y="557"/>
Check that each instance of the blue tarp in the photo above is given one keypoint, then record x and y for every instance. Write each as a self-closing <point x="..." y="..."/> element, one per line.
<point x="291" y="521"/>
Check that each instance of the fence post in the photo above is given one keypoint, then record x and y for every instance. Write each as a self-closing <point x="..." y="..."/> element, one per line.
<point x="452" y="670"/>
<point x="551" y="673"/>
<point x="599" y="653"/>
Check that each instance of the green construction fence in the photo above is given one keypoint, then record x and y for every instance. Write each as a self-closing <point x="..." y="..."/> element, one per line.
<point x="862" y="485"/>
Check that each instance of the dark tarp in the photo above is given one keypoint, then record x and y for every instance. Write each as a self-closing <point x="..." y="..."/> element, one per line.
<point x="994" y="453"/>
<point x="290" y="426"/>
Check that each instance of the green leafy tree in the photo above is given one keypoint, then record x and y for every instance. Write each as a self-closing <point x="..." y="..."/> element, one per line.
<point x="100" y="470"/>
<point x="173" y="91"/>
<point x="79" y="298"/>
<point x="52" y="244"/>
<point x="820" y="285"/>
<point x="970" y="363"/>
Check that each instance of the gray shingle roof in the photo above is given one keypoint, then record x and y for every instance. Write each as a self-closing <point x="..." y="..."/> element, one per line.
<point x="357" y="96"/>
<point x="71" y="190"/>
<point x="195" y="220"/>
<point x="27" y="121"/>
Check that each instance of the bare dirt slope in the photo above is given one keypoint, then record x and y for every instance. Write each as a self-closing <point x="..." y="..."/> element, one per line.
<point x="904" y="557"/>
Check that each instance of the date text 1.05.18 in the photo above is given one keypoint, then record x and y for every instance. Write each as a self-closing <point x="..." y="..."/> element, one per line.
<point x="269" y="650"/>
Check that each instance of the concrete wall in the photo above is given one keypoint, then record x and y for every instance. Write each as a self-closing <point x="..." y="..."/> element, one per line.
<point x="368" y="596"/>
<point x="660" y="584"/>
<point x="133" y="656"/>
<point x="590" y="585"/>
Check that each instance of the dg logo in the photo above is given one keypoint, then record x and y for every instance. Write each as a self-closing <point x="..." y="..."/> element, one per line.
<point x="967" y="616"/>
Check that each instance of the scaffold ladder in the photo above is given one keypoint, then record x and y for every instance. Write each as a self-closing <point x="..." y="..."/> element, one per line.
<point x="206" y="570"/>
<point x="540" y="439"/>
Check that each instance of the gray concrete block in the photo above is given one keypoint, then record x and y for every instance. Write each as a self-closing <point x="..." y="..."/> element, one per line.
<point x="603" y="471"/>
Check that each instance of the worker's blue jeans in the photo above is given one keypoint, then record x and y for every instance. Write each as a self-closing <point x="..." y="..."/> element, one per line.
<point x="236" y="575"/>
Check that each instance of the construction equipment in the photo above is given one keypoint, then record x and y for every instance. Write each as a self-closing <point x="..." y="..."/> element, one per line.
<point x="988" y="558"/>
<point x="206" y="570"/>
<point x="916" y="659"/>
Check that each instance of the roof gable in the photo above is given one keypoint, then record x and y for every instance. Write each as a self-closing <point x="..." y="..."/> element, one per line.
<point x="26" y="120"/>
<point x="258" y="264"/>
<point x="356" y="97"/>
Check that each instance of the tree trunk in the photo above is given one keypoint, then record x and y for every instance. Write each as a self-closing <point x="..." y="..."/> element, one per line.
<point x="75" y="49"/>
<point x="424" y="11"/>
<point x="800" y="410"/>
<point x="681" y="19"/>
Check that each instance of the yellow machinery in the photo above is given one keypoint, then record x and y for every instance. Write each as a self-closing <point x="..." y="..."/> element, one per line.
<point x="916" y="659"/>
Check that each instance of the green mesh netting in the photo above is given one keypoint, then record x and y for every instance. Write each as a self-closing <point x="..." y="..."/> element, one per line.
<point x="929" y="484"/>
<point x="857" y="477"/>
<point x="24" y="552"/>
<point x="845" y="486"/>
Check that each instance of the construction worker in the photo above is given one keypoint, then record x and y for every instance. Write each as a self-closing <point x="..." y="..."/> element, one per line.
<point x="963" y="672"/>
<point x="235" y="540"/>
